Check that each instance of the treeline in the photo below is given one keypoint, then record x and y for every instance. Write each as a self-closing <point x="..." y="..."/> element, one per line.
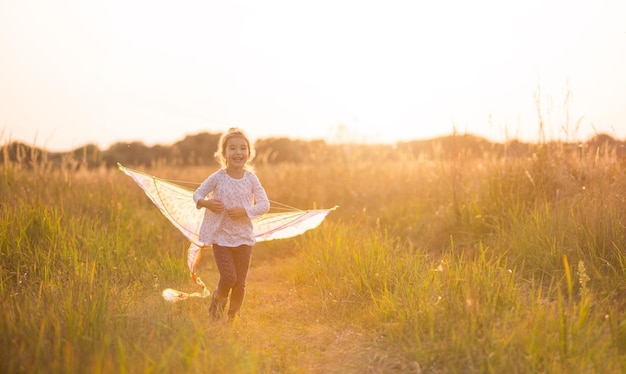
<point x="198" y="150"/>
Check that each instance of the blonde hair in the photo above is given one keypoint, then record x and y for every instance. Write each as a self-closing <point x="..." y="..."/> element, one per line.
<point x="233" y="132"/>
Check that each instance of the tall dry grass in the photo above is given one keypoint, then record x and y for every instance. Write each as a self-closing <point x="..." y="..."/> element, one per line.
<point x="462" y="265"/>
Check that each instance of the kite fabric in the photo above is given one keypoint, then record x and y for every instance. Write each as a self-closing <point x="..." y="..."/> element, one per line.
<point x="177" y="205"/>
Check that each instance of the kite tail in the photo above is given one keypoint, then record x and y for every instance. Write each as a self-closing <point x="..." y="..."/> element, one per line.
<point x="194" y="255"/>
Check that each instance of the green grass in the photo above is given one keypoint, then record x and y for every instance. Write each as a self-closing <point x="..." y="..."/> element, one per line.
<point x="490" y="265"/>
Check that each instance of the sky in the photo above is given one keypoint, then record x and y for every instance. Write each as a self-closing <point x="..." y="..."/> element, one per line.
<point x="74" y="72"/>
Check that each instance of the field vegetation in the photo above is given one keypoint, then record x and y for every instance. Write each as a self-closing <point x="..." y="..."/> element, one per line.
<point x="446" y="262"/>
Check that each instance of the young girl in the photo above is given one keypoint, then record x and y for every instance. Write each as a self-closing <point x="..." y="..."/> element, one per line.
<point x="232" y="196"/>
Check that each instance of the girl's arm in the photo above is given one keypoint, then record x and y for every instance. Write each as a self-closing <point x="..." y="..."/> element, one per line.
<point x="262" y="203"/>
<point x="205" y="189"/>
<point x="214" y="205"/>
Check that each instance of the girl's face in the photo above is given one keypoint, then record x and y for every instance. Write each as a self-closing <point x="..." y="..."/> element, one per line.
<point x="236" y="152"/>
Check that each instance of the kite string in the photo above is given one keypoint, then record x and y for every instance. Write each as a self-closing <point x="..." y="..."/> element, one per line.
<point x="275" y="204"/>
<point x="283" y="206"/>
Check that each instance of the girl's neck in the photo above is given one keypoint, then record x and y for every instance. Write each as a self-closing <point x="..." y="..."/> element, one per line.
<point x="235" y="172"/>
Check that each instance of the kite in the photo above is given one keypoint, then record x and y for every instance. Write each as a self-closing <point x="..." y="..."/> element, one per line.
<point x="176" y="203"/>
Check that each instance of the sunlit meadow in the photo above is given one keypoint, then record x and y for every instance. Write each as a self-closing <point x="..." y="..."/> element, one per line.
<point x="463" y="264"/>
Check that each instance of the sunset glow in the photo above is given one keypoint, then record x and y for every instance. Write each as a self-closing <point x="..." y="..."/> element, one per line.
<point x="100" y="72"/>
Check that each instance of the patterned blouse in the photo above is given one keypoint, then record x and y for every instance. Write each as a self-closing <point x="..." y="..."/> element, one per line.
<point x="246" y="192"/>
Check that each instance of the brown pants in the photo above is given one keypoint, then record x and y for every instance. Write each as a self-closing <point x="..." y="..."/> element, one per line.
<point x="233" y="264"/>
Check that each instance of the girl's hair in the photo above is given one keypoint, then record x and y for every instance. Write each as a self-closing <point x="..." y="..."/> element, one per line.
<point x="233" y="132"/>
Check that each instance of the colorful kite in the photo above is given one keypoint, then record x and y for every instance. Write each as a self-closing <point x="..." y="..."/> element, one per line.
<point x="177" y="205"/>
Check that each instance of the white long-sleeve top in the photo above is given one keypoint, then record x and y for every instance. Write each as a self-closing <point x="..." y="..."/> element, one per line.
<point x="246" y="192"/>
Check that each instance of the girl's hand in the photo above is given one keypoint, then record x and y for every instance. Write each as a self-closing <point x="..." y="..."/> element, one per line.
<point x="214" y="205"/>
<point x="238" y="212"/>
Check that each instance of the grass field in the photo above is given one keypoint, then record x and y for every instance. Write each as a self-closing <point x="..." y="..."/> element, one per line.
<point x="459" y="266"/>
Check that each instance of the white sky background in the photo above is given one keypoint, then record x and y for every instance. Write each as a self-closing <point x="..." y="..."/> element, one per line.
<point x="76" y="72"/>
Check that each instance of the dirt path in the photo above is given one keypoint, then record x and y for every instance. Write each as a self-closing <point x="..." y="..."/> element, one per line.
<point x="280" y="321"/>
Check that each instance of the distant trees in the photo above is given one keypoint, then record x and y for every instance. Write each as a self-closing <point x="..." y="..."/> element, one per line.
<point x="199" y="150"/>
<point x="193" y="150"/>
<point x="277" y="150"/>
<point x="86" y="156"/>
<point x="135" y="153"/>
